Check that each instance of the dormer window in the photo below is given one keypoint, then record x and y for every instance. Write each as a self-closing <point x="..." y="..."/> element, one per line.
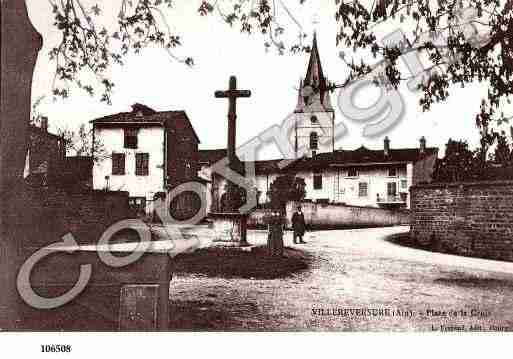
<point x="131" y="137"/>
<point x="352" y="172"/>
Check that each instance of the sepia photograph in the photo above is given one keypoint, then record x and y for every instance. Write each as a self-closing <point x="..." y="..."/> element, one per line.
<point x="244" y="166"/>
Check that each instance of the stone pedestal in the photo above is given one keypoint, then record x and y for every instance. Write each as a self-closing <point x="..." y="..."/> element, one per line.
<point x="275" y="222"/>
<point x="229" y="229"/>
<point x="134" y="297"/>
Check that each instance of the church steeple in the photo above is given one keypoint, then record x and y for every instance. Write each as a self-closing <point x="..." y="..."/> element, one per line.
<point x="314" y="114"/>
<point x="315" y="85"/>
<point x="314" y="75"/>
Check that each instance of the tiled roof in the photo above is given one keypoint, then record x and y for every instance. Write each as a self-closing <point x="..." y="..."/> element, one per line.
<point x="365" y="155"/>
<point x="211" y="156"/>
<point x="359" y="157"/>
<point x="38" y="131"/>
<point x="142" y="114"/>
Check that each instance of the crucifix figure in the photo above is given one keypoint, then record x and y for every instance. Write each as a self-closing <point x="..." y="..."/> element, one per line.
<point x="232" y="94"/>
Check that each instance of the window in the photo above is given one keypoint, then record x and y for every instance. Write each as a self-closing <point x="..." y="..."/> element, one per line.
<point x="314" y="119"/>
<point x="317" y="180"/>
<point x="314" y="141"/>
<point x="392" y="189"/>
<point x="142" y="164"/>
<point x="352" y="172"/>
<point x="131" y="137"/>
<point x="363" y="189"/>
<point x="118" y="164"/>
<point x="404" y="184"/>
<point x="392" y="172"/>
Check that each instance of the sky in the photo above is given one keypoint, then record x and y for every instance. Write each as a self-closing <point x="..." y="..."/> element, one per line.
<point x="158" y="81"/>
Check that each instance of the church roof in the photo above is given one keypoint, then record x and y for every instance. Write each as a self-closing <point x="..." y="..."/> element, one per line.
<point x="314" y="74"/>
<point x="313" y="94"/>
<point x="143" y="115"/>
<point x="267" y="166"/>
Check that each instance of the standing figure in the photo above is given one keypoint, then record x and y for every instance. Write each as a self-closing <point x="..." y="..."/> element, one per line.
<point x="299" y="225"/>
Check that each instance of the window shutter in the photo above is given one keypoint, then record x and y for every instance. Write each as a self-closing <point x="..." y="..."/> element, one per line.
<point x="118" y="164"/>
<point x="142" y="164"/>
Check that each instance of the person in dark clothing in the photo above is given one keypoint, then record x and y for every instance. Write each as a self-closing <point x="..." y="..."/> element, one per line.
<point x="298" y="225"/>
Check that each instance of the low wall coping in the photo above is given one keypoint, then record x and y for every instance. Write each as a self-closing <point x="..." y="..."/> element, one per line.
<point x="462" y="184"/>
<point x="343" y="205"/>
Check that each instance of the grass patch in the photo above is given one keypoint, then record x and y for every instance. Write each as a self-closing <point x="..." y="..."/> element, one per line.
<point x="235" y="263"/>
<point x="406" y="240"/>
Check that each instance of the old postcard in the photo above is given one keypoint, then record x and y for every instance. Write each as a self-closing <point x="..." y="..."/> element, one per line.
<point x="248" y="166"/>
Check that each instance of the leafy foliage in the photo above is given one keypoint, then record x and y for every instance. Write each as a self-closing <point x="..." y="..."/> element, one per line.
<point x="460" y="41"/>
<point x="87" y="45"/>
<point x="503" y="154"/>
<point x="233" y="198"/>
<point x="259" y="16"/>
<point x="463" y="41"/>
<point x="83" y="143"/>
<point x="459" y="164"/>
<point x="286" y="188"/>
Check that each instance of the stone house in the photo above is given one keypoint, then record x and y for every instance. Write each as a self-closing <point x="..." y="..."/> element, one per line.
<point x="150" y="153"/>
<point x="48" y="165"/>
<point x="361" y="177"/>
<point x="45" y="155"/>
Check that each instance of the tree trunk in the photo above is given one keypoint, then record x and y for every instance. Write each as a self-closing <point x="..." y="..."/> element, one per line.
<point x="20" y="44"/>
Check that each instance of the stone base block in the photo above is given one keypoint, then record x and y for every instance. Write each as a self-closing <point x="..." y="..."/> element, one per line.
<point x="229" y="229"/>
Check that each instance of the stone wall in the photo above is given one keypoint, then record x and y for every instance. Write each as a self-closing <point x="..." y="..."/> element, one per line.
<point x="474" y="219"/>
<point x="334" y="216"/>
<point x="43" y="215"/>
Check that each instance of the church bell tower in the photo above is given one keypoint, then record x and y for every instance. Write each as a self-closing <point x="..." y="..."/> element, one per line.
<point x="314" y="114"/>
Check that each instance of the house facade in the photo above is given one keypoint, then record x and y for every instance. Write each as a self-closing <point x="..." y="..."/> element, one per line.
<point x="361" y="177"/>
<point x="149" y="153"/>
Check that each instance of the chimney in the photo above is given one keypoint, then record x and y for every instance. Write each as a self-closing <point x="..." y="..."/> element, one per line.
<point x="423" y="145"/>
<point x="386" y="146"/>
<point x="44" y="123"/>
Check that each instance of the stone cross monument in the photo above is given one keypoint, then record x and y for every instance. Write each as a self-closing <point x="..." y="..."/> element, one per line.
<point x="230" y="225"/>
<point x="232" y="94"/>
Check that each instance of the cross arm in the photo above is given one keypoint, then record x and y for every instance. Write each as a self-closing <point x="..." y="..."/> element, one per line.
<point x="244" y="93"/>
<point x="233" y="94"/>
<point x="221" y="94"/>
